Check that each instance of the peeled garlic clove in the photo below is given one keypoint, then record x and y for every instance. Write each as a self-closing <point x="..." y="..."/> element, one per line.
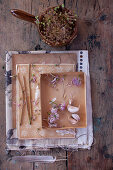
<point x="72" y="121"/>
<point x="72" y="109"/>
<point x="76" y="117"/>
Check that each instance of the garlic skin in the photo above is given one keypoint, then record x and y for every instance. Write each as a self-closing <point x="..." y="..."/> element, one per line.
<point x="76" y="117"/>
<point x="72" y="109"/>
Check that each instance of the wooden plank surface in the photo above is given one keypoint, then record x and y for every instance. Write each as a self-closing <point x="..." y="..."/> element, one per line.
<point x="95" y="34"/>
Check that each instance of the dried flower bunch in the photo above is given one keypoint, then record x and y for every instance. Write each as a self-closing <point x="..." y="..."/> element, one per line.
<point x="57" y="25"/>
<point x="53" y="114"/>
<point x="55" y="79"/>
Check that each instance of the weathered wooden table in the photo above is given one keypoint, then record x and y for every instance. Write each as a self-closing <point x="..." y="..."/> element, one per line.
<point x="95" y="34"/>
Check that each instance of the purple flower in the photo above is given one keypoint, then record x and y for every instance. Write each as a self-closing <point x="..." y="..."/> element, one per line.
<point x="56" y="115"/>
<point x="33" y="79"/>
<point x="76" y="81"/>
<point x="55" y="79"/>
<point x="62" y="106"/>
<point x="51" y="119"/>
<point x="54" y="110"/>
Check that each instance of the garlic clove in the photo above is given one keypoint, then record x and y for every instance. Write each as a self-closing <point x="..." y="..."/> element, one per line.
<point x="76" y="117"/>
<point x="37" y="93"/>
<point x="72" y="109"/>
<point x="70" y="101"/>
<point x="72" y="121"/>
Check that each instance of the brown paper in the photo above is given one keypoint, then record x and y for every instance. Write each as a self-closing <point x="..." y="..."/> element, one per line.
<point x="33" y="130"/>
<point x="40" y="58"/>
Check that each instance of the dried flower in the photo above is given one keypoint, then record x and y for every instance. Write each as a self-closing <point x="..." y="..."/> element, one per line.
<point x="54" y="110"/>
<point x="56" y="115"/>
<point x="53" y="125"/>
<point x="33" y="79"/>
<point x="53" y="115"/>
<point x="62" y="106"/>
<point x="52" y="101"/>
<point x="55" y="80"/>
<point x="52" y="119"/>
<point x="76" y="81"/>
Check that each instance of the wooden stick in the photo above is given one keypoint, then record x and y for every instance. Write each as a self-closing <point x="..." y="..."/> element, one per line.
<point x="18" y="77"/>
<point x="27" y="103"/>
<point x="30" y="92"/>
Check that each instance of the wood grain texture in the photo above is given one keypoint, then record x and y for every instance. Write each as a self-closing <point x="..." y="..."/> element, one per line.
<point x="58" y="165"/>
<point x="95" y="34"/>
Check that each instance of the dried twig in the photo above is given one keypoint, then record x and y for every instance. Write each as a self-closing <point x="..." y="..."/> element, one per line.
<point x="18" y="77"/>
<point x="27" y="103"/>
<point x="30" y="92"/>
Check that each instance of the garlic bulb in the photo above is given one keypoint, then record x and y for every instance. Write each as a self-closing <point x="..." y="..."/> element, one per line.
<point x="76" y="117"/>
<point x="72" y="109"/>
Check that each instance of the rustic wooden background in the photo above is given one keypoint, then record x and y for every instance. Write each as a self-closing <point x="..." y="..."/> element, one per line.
<point x="95" y="25"/>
